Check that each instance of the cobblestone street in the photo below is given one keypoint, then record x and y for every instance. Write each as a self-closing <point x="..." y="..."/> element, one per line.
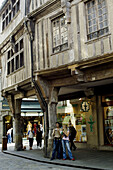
<point x="8" y="162"/>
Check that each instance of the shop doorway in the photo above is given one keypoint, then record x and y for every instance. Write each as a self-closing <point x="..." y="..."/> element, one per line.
<point x="108" y="120"/>
<point x="7" y="124"/>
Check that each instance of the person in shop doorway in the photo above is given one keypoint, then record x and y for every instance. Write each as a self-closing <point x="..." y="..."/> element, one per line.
<point x="39" y="137"/>
<point x="65" y="143"/>
<point x="9" y="135"/>
<point x="56" y="142"/>
<point x="30" y="136"/>
<point x="72" y="135"/>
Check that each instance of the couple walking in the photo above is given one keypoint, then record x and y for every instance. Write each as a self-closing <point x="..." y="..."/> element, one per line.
<point x="61" y="140"/>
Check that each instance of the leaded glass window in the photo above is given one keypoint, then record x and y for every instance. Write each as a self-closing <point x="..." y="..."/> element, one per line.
<point x="97" y="22"/>
<point x="60" y="34"/>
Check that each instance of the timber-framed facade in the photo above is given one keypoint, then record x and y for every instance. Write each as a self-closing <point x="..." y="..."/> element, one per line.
<point x="66" y="53"/>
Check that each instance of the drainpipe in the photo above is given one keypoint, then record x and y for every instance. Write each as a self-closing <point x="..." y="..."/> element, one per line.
<point x="45" y="109"/>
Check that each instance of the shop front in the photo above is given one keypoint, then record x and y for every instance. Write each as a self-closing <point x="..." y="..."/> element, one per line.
<point x="83" y="116"/>
<point x="107" y="104"/>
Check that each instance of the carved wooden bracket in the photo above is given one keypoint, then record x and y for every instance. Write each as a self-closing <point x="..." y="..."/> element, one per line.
<point x="66" y="6"/>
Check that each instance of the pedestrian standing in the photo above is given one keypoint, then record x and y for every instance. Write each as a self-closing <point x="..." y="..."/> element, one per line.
<point x="9" y="135"/>
<point x="39" y="137"/>
<point x="56" y="142"/>
<point x="65" y="143"/>
<point x="72" y="135"/>
<point x="30" y="136"/>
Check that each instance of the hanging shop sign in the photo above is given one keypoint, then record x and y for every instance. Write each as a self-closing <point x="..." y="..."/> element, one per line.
<point x="85" y="106"/>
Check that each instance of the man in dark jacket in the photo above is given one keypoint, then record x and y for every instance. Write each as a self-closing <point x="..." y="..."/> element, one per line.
<point x="72" y="135"/>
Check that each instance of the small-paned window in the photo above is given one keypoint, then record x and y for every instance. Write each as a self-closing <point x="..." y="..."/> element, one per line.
<point x="15" y="60"/>
<point x="60" y="34"/>
<point x="10" y="12"/>
<point x="97" y="18"/>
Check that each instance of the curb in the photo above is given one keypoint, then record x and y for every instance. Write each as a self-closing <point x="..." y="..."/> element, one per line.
<point x="53" y="163"/>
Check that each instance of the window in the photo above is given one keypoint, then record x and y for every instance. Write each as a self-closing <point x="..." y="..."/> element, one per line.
<point x="10" y="12"/>
<point x="60" y="34"/>
<point x="97" y="22"/>
<point x="15" y="60"/>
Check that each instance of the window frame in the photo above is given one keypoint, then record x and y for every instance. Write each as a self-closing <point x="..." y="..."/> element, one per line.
<point x="60" y="44"/>
<point x="8" y="15"/>
<point x="99" y="30"/>
<point x="13" y="56"/>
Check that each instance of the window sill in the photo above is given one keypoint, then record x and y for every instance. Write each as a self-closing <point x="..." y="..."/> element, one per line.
<point x="15" y="71"/>
<point x="60" y="51"/>
<point x="96" y="39"/>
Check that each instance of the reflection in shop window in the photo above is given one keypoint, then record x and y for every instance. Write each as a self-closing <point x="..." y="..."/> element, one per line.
<point x="108" y="124"/>
<point x="74" y="113"/>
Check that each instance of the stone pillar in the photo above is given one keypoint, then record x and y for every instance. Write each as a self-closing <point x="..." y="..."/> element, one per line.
<point x="18" y="125"/>
<point x="52" y="114"/>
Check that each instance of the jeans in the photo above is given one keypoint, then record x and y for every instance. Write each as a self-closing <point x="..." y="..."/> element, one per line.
<point x="65" y="143"/>
<point x="56" y="147"/>
<point x="9" y="138"/>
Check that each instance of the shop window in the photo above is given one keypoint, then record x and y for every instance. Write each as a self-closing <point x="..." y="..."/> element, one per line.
<point x="77" y="116"/>
<point x="97" y="19"/>
<point x="60" y="34"/>
<point x="108" y="120"/>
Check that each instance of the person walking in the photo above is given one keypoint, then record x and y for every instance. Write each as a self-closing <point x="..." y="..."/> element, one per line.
<point x="65" y="143"/>
<point x="56" y="142"/>
<point x="39" y="137"/>
<point x="72" y="135"/>
<point x="30" y="136"/>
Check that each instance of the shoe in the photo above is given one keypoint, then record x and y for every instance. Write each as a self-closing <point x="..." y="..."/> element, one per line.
<point x="51" y="159"/>
<point x="64" y="159"/>
<point x="73" y="159"/>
